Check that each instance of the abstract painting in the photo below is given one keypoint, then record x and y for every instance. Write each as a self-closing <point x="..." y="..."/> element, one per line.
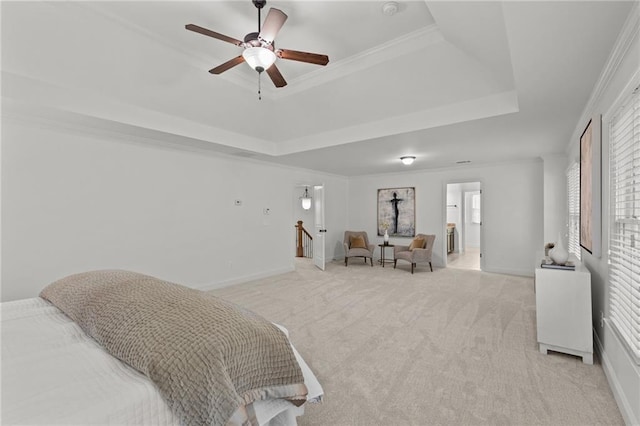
<point x="397" y="211"/>
<point x="586" y="186"/>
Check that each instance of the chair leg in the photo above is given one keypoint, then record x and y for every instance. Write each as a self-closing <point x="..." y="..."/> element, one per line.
<point x="430" y="266"/>
<point x="394" y="263"/>
<point x="346" y="260"/>
<point x="371" y="260"/>
<point x="412" y="265"/>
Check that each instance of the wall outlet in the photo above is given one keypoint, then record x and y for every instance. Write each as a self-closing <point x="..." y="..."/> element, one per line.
<point x="229" y="264"/>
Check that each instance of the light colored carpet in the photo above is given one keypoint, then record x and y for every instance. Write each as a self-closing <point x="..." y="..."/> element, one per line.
<point x="449" y="347"/>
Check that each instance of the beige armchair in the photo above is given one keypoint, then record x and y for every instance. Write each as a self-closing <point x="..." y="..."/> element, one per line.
<point x="356" y="244"/>
<point x="418" y="251"/>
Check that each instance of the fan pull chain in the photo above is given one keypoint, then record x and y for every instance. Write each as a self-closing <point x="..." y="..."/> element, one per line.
<point x="259" y="88"/>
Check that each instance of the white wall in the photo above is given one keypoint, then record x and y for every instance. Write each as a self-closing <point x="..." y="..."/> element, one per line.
<point x="512" y="202"/>
<point x="73" y="201"/>
<point x="555" y="198"/>
<point x="619" y="77"/>
<point x="454" y="203"/>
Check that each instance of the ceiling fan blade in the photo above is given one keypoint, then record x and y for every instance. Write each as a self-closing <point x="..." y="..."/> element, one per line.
<point x="294" y="55"/>
<point x="272" y="24"/>
<point x="276" y="77"/>
<point x="204" y="31"/>
<point x="227" y="65"/>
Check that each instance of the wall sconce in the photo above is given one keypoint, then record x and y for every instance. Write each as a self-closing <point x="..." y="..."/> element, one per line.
<point x="407" y="159"/>
<point x="306" y="199"/>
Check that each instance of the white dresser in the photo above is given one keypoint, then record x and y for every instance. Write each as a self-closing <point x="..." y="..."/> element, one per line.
<point x="563" y="310"/>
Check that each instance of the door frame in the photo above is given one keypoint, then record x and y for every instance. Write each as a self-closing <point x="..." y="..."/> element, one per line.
<point x="297" y="190"/>
<point x="482" y="217"/>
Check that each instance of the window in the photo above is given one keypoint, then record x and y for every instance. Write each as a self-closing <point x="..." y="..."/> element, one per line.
<point x="624" y="237"/>
<point x="475" y="208"/>
<point x="573" y="199"/>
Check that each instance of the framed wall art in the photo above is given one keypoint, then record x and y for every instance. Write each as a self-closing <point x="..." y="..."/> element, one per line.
<point x="397" y="211"/>
<point x="590" y="187"/>
<point x="586" y="179"/>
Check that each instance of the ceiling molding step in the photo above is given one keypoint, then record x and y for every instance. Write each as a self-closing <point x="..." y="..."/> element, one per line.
<point x="468" y="177"/>
<point x="485" y="107"/>
<point x="404" y="45"/>
<point x="69" y="122"/>
<point x="78" y="124"/>
<point x="72" y="123"/>
<point x="39" y="94"/>
<point x="625" y="40"/>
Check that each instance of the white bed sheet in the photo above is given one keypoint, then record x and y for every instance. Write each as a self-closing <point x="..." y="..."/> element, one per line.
<point x="52" y="372"/>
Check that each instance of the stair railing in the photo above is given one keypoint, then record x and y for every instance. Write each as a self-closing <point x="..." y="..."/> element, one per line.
<point x="304" y="242"/>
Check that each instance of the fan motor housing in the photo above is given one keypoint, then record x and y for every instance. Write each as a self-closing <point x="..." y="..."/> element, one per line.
<point x="252" y="40"/>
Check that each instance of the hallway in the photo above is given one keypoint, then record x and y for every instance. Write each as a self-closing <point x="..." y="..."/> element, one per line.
<point x="470" y="259"/>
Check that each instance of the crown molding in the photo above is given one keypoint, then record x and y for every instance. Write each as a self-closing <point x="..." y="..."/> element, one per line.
<point x="620" y="49"/>
<point x="106" y="115"/>
<point x="73" y="123"/>
<point x="471" y="109"/>
<point x="403" y="45"/>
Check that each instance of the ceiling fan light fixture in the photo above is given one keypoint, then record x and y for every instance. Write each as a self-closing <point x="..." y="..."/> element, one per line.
<point x="259" y="51"/>
<point x="407" y="159"/>
<point x="259" y="58"/>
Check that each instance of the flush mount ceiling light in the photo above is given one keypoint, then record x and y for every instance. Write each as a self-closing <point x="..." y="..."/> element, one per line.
<point x="407" y="159"/>
<point x="306" y="199"/>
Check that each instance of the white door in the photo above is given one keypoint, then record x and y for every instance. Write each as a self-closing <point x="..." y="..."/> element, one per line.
<point x="319" y="231"/>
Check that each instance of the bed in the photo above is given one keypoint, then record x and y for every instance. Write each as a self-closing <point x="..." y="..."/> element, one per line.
<point x="54" y="371"/>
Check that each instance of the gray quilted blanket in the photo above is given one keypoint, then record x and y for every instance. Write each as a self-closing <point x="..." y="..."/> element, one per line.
<point x="209" y="358"/>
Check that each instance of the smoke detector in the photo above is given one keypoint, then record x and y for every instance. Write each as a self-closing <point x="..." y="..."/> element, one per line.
<point x="390" y="8"/>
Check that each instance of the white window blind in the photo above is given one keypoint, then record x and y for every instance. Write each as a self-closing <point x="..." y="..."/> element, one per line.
<point x="624" y="238"/>
<point x="573" y="199"/>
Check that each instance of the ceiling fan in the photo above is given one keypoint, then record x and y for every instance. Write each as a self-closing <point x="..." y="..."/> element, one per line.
<point x="259" y="50"/>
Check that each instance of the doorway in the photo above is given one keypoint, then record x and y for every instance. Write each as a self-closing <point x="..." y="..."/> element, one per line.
<point x="309" y="228"/>
<point x="463" y="248"/>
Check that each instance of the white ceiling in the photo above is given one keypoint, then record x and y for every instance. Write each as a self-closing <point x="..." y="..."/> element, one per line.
<point x="444" y="81"/>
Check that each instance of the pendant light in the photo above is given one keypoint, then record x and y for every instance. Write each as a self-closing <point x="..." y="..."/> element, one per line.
<point x="306" y="199"/>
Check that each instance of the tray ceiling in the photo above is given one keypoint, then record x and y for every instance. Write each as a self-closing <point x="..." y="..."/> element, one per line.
<point x="497" y="81"/>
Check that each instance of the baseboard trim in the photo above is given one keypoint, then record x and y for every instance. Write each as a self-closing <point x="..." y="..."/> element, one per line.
<point x="508" y="271"/>
<point x="245" y="278"/>
<point x="614" y="384"/>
